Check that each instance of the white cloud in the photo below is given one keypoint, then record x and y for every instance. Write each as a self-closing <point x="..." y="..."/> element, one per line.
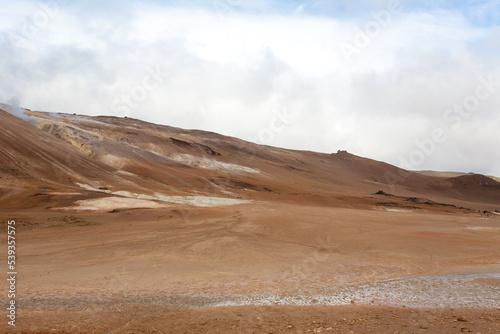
<point x="233" y="74"/>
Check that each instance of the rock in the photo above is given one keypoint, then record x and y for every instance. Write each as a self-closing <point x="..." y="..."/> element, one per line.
<point x="462" y="318"/>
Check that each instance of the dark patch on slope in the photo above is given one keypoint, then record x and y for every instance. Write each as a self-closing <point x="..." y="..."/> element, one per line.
<point x="207" y="149"/>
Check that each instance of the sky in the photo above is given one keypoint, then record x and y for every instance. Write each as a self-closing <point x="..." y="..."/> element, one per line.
<point x="412" y="83"/>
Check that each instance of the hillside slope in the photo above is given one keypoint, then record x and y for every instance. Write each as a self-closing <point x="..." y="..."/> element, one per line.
<point x="93" y="157"/>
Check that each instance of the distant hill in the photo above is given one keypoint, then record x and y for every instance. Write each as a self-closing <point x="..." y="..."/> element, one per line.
<point x="450" y="174"/>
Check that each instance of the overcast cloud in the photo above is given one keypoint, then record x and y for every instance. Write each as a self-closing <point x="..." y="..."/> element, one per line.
<point x="412" y="83"/>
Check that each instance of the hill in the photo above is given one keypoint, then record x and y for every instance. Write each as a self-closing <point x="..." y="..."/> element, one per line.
<point x="56" y="160"/>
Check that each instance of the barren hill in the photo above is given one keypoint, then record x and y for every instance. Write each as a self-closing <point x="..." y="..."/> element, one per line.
<point x="58" y="159"/>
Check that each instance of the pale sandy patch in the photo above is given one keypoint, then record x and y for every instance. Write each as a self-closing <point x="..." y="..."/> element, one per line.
<point x="110" y="203"/>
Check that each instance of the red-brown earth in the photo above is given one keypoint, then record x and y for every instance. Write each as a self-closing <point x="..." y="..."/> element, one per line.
<point x="124" y="226"/>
